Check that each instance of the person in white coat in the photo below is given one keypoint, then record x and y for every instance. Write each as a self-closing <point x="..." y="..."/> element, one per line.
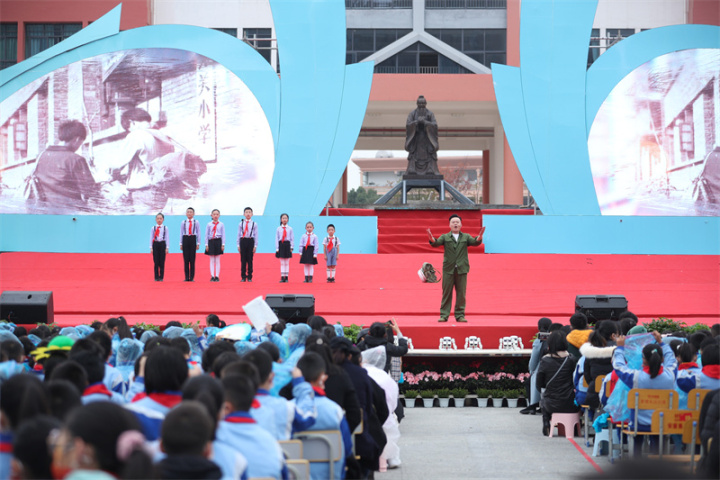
<point x="373" y="360"/>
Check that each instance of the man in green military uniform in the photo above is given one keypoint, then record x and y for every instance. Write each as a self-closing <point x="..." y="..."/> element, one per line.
<point x="455" y="266"/>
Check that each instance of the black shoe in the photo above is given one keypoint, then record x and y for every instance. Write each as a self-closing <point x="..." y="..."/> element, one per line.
<point x="217" y="279"/>
<point x="212" y="279"/>
<point x="310" y="279"/>
<point x="329" y="280"/>
<point x="282" y="280"/>
<point x="529" y="410"/>
<point x="306" y="279"/>
<point x="546" y="427"/>
<point x="249" y="279"/>
<point x="286" y="279"/>
<point x="243" y="280"/>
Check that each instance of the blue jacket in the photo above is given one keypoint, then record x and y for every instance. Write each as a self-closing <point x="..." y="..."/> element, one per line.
<point x="231" y="462"/>
<point x="242" y="434"/>
<point x="641" y="379"/>
<point x="114" y="380"/>
<point x="151" y="413"/>
<point x="290" y="416"/>
<point x="692" y="378"/>
<point x="330" y="417"/>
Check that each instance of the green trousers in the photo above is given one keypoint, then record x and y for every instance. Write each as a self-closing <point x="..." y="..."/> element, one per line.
<point x="459" y="283"/>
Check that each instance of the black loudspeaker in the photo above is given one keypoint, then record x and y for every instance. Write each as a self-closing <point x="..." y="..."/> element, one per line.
<point x="292" y="308"/>
<point x="601" y="307"/>
<point x="27" y="307"/>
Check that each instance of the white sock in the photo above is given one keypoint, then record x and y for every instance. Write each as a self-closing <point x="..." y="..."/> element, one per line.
<point x="311" y="270"/>
<point x="212" y="266"/>
<point x="217" y="266"/>
<point x="329" y="274"/>
<point x="332" y="273"/>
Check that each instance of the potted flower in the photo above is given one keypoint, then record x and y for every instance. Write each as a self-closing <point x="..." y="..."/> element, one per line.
<point x="410" y="396"/>
<point x="459" y="395"/>
<point x="443" y="397"/>
<point x="483" y="394"/>
<point x="512" y="397"/>
<point x="428" y="397"/>
<point x="497" y="398"/>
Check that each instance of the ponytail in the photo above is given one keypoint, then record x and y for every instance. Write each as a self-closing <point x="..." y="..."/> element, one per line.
<point x="654" y="357"/>
<point x="123" y="329"/>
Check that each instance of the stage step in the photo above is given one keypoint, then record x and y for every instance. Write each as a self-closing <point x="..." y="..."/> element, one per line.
<point x="405" y="231"/>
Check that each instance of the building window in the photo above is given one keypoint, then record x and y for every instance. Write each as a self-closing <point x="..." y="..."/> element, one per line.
<point x="486" y="46"/>
<point x="614" y="35"/>
<point x="363" y="42"/>
<point x="230" y="31"/>
<point x="41" y="36"/>
<point x="465" y="4"/>
<point x="419" y="58"/>
<point x="594" y="51"/>
<point x="367" y="4"/>
<point x="254" y="36"/>
<point x="8" y="44"/>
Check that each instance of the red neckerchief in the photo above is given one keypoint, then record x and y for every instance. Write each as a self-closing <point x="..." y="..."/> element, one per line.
<point x="309" y="235"/>
<point x="319" y="391"/>
<point x="687" y="365"/>
<point x="138" y="397"/>
<point x="97" y="388"/>
<point x="239" y="417"/>
<point x="255" y="403"/>
<point x="157" y="232"/>
<point x="6" y="443"/>
<point x="214" y="228"/>
<point x="646" y="369"/>
<point x="38" y="367"/>
<point x="245" y="229"/>
<point x="613" y="381"/>
<point x="712" y="371"/>
<point x="168" y="399"/>
<point x="284" y="234"/>
<point x="190" y="225"/>
<point x="330" y="243"/>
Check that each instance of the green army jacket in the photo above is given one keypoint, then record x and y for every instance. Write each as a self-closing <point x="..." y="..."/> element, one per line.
<point x="456" y="252"/>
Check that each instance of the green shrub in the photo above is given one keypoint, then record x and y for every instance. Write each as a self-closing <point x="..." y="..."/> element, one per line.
<point x="427" y="393"/>
<point x="497" y="393"/>
<point x="483" y="392"/>
<point x="351" y="332"/>
<point x="513" y="393"/>
<point x="411" y="394"/>
<point x="459" y="392"/>
<point x="697" y="327"/>
<point x="443" y="392"/>
<point x="664" y="325"/>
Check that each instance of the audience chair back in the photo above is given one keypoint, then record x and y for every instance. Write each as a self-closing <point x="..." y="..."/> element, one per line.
<point x="321" y="446"/>
<point x="293" y="449"/>
<point x="649" y="399"/>
<point x="671" y="422"/>
<point x="599" y="383"/>
<point x="696" y="397"/>
<point x="299" y="469"/>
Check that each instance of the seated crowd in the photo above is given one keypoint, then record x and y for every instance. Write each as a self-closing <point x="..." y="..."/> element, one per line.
<point x="567" y="360"/>
<point x="114" y="402"/>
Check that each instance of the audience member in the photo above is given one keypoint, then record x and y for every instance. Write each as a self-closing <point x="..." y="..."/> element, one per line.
<point x="555" y="376"/>
<point x="579" y="334"/>
<point x="378" y="336"/>
<point x="29" y="461"/>
<point x="708" y="377"/>
<point x="63" y="397"/>
<point x="539" y="348"/>
<point x="598" y="358"/>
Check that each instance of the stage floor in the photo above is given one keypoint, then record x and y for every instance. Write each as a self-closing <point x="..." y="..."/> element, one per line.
<point x="506" y="293"/>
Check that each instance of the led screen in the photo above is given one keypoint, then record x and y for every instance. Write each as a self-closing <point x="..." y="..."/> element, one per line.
<point x="655" y="143"/>
<point x="135" y="132"/>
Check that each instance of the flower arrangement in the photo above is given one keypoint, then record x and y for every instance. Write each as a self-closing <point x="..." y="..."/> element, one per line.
<point x="427" y="393"/>
<point x="430" y="380"/>
<point x="411" y="394"/>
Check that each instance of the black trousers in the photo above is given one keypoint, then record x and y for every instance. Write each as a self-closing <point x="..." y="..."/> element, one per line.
<point x="246" y="257"/>
<point x="159" y="259"/>
<point x="189" y="244"/>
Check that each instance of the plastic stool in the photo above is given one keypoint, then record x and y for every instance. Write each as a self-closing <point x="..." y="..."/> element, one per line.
<point x="603" y="436"/>
<point x="569" y="421"/>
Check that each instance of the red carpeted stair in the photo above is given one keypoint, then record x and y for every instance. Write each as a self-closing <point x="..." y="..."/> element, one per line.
<point x="405" y="231"/>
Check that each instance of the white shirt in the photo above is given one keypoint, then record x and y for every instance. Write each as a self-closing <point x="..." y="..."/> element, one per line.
<point x="456" y="236"/>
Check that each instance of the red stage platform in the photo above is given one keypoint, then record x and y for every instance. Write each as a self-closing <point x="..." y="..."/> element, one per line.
<point x="506" y="293"/>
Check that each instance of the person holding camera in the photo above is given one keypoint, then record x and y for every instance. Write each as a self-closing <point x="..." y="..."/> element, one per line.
<point x="380" y="335"/>
<point x="539" y="348"/>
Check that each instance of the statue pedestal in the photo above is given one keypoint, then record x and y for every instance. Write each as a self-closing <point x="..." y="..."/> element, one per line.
<point x="424" y="181"/>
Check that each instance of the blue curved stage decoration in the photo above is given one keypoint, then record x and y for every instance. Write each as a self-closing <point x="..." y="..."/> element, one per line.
<point x="314" y="111"/>
<point x="547" y="106"/>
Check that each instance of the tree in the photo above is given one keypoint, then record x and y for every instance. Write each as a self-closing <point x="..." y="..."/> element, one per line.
<point x="360" y="196"/>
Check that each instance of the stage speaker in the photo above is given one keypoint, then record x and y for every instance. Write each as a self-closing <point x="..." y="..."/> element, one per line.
<point x="601" y="307"/>
<point x="27" y="307"/>
<point x="292" y="308"/>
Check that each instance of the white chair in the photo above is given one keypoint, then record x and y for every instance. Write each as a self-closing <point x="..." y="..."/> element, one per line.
<point x="473" y="343"/>
<point x="512" y="342"/>
<point x="321" y="446"/>
<point x="293" y="449"/>
<point x="447" y="343"/>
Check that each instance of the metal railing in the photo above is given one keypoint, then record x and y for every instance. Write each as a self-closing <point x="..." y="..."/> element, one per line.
<point x="466" y="4"/>
<point x="367" y="4"/>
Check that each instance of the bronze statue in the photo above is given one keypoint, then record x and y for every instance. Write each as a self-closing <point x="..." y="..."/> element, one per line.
<point x="421" y="140"/>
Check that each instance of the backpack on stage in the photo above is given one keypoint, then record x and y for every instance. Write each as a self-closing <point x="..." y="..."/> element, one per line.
<point x="428" y="274"/>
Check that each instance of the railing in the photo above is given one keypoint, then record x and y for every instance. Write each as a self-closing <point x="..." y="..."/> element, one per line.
<point x="465" y="4"/>
<point x="420" y="70"/>
<point x="367" y="4"/>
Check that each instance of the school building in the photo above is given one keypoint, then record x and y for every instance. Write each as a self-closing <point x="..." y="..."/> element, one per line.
<point x="442" y="49"/>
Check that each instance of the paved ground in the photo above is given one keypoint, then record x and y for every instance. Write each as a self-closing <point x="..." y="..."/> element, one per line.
<point x="469" y="443"/>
